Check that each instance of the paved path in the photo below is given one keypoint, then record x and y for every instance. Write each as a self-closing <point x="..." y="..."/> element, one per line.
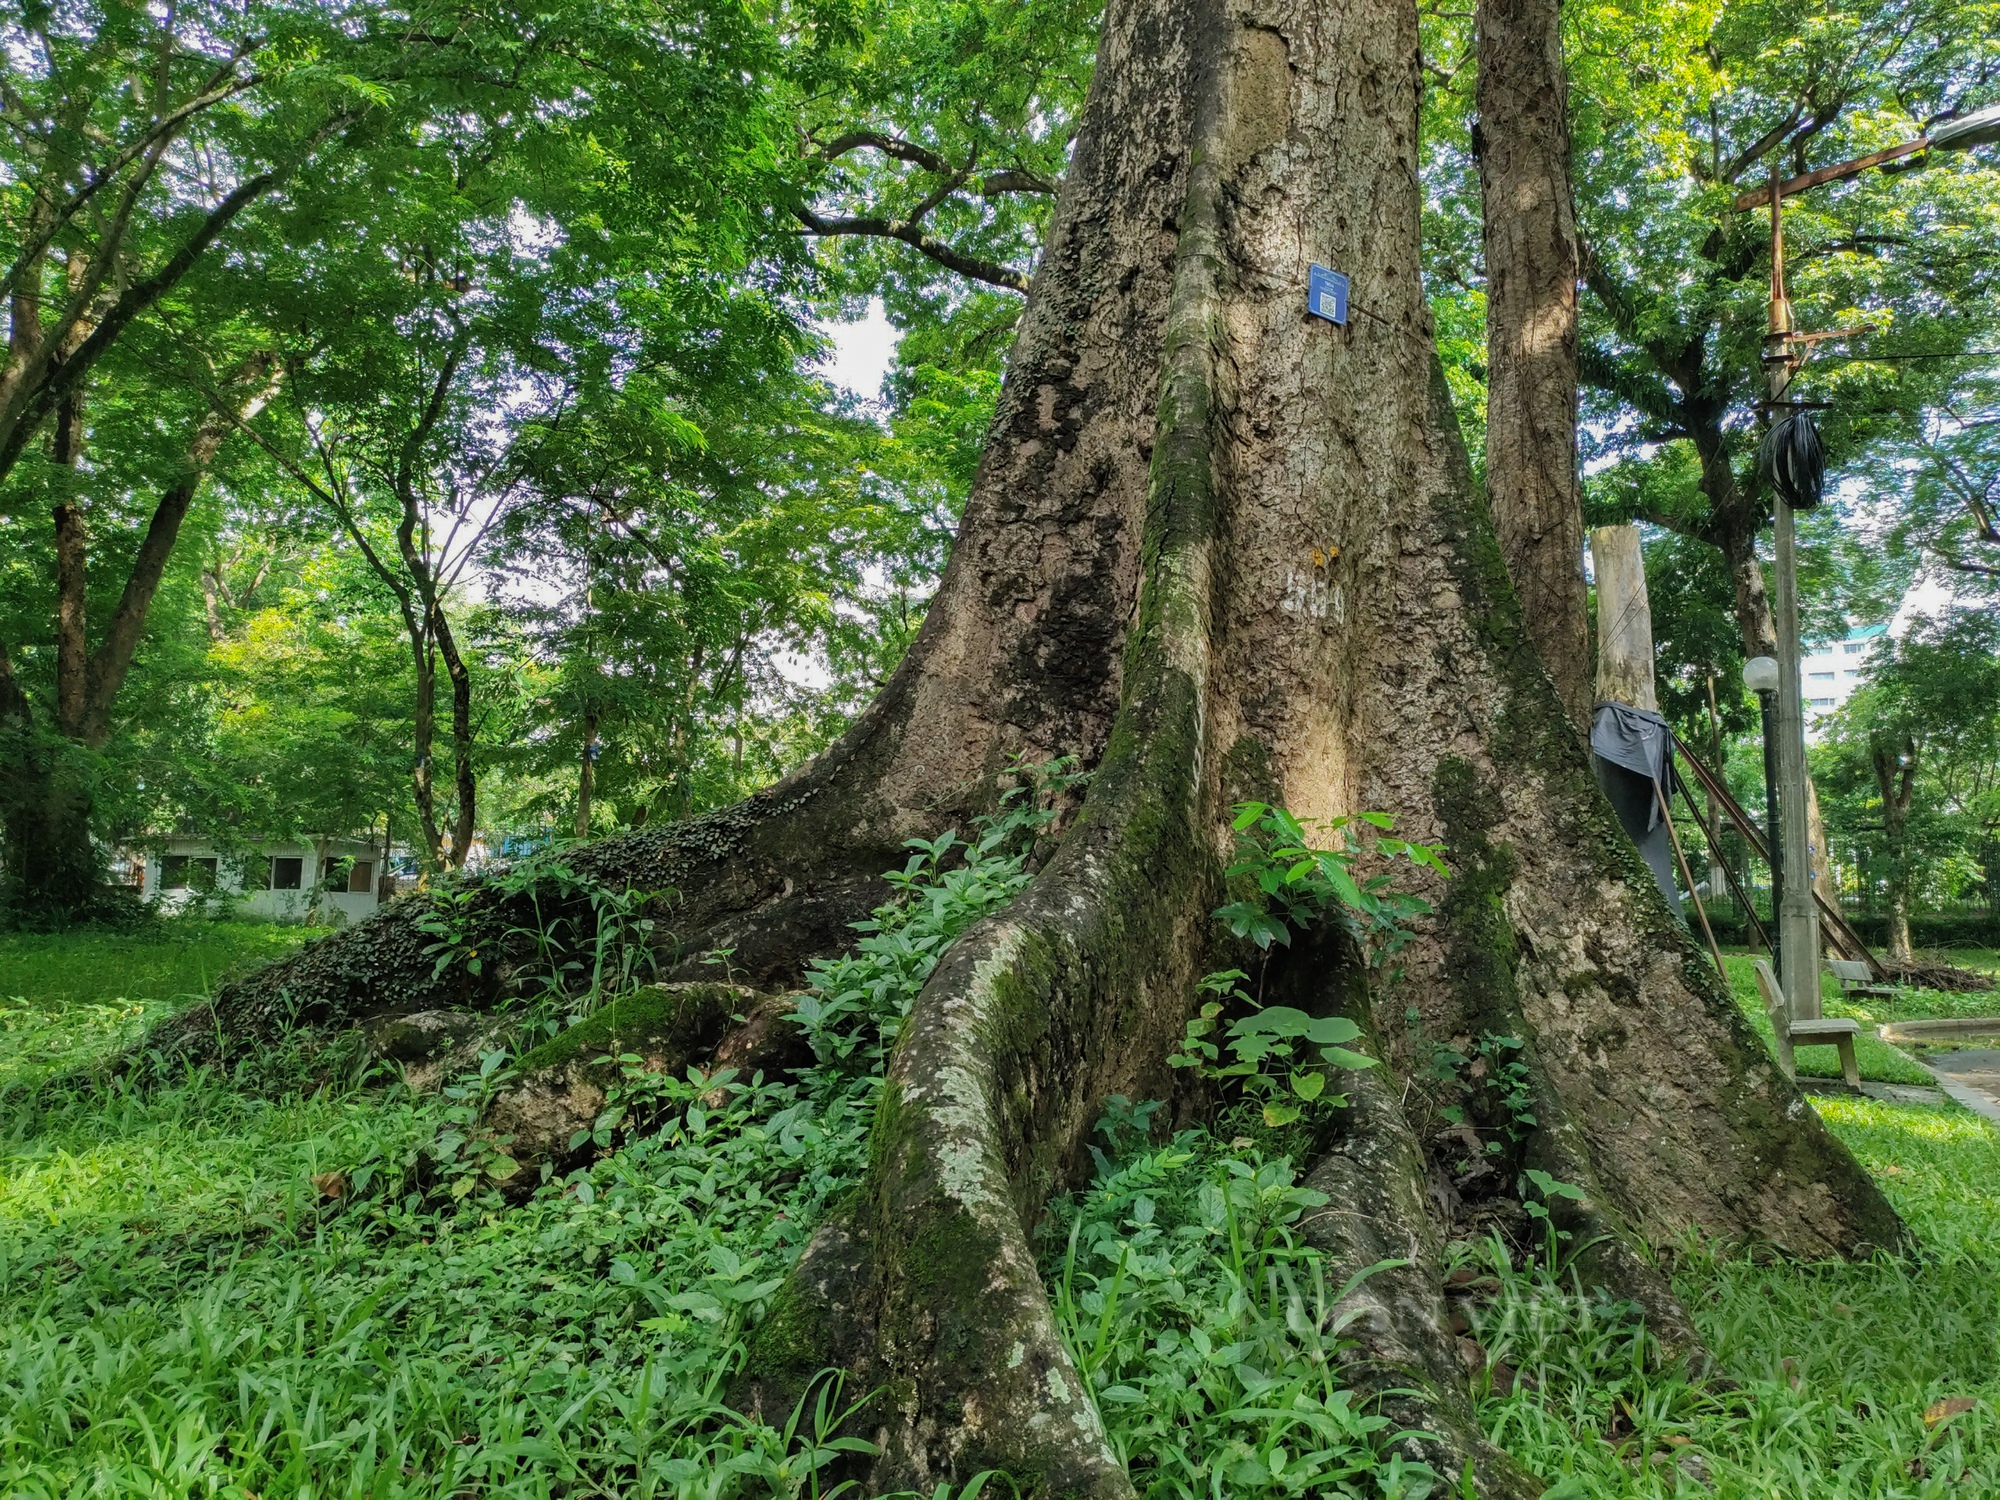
<point x="1972" y="1077"/>
<point x="1888" y="1093"/>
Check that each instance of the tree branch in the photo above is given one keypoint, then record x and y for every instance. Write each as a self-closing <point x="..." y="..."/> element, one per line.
<point x="136" y="299"/>
<point x="112" y="659"/>
<point x="888" y="145"/>
<point x="911" y="234"/>
<point x="1649" y="397"/>
<point x="160" y="131"/>
<point x="1018" y="180"/>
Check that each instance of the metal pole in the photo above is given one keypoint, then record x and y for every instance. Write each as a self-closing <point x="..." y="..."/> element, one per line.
<point x="1687" y="877"/>
<point x="1758" y="935"/>
<point x="1798" y="935"/>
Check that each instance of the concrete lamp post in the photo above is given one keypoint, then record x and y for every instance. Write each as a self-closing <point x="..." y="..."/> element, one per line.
<point x="1760" y="675"/>
<point x="1784" y="351"/>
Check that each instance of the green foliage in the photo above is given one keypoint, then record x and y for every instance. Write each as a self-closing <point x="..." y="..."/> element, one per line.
<point x="1295" y="886"/>
<point x="322" y="1288"/>
<point x="1206" y="1331"/>
<point x="1910" y="773"/>
<point x="1292" y="886"/>
<point x="1264" y="1048"/>
<point x="857" y="1002"/>
<point x="1493" y="1083"/>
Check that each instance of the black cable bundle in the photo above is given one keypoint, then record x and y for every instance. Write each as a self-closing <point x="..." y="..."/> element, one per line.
<point x="1794" y="461"/>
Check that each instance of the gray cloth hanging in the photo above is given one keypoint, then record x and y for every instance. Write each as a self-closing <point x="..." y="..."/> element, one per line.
<point x="1632" y="751"/>
<point x="1640" y="741"/>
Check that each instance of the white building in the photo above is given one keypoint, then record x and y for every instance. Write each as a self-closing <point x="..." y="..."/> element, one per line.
<point x="1830" y="671"/>
<point x="336" y="880"/>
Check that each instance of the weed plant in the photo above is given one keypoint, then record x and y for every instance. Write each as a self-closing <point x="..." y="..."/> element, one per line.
<point x="208" y="1291"/>
<point x="1205" y="1330"/>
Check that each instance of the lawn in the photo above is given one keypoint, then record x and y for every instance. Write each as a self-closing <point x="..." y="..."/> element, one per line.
<point x="1878" y="1061"/>
<point x="184" y="1311"/>
<point x="64" y="998"/>
<point x="1841" y="1369"/>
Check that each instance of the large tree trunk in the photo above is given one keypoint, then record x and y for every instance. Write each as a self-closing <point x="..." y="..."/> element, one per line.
<point x="51" y="867"/>
<point x="1532" y="482"/>
<point x="1324" y="620"/>
<point x="1398" y="677"/>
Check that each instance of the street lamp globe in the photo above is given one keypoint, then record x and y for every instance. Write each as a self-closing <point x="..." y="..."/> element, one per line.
<point x="1980" y="128"/>
<point x="1760" y="674"/>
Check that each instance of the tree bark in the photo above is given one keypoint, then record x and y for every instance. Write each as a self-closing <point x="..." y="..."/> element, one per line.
<point x="1325" y="621"/>
<point x="53" y="865"/>
<point x="464" y="784"/>
<point x="1895" y="767"/>
<point x="112" y="659"/>
<point x="586" y="773"/>
<point x="1532" y="482"/>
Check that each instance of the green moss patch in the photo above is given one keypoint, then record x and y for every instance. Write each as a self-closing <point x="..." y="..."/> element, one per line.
<point x="677" y="1019"/>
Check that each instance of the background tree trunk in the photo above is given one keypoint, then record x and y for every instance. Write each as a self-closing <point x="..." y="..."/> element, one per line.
<point x="1895" y="766"/>
<point x="1531" y="332"/>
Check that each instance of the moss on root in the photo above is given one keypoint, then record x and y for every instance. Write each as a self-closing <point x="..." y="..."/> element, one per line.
<point x="682" y="1020"/>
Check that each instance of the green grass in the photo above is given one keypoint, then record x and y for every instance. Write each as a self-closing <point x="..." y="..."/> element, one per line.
<point x="66" y="998"/>
<point x="183" y="1311"/>
<point x="1836" y="1365"/>
<point x="1877" y="1060"/>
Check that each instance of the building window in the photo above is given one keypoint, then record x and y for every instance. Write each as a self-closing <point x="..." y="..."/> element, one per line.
<point x="1822" y="703"/>
<point x="1855" y="648"/>
<point x="360" y="877"/>
<point x="287" y="871"/>
<point x="179" y="871"/>
<point x="1821" y="676"/>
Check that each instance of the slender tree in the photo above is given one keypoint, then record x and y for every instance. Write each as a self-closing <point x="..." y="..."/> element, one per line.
<point x="1532" y="481"/>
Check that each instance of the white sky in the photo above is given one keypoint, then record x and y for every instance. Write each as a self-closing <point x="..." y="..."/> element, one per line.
<point x="862" y="352"/>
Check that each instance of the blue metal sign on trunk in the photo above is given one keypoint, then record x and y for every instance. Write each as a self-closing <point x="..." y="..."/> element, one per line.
<point x="1326" y="295"/>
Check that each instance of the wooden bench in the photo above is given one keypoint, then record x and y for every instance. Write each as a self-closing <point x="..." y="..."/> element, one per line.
<point x="1856" y="978"/>
<point x="1837" y="1032"/>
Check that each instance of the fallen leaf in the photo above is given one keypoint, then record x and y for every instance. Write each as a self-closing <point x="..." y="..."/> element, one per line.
<point x="1952" y="1406"/>
<point x="331" y="1185"/>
